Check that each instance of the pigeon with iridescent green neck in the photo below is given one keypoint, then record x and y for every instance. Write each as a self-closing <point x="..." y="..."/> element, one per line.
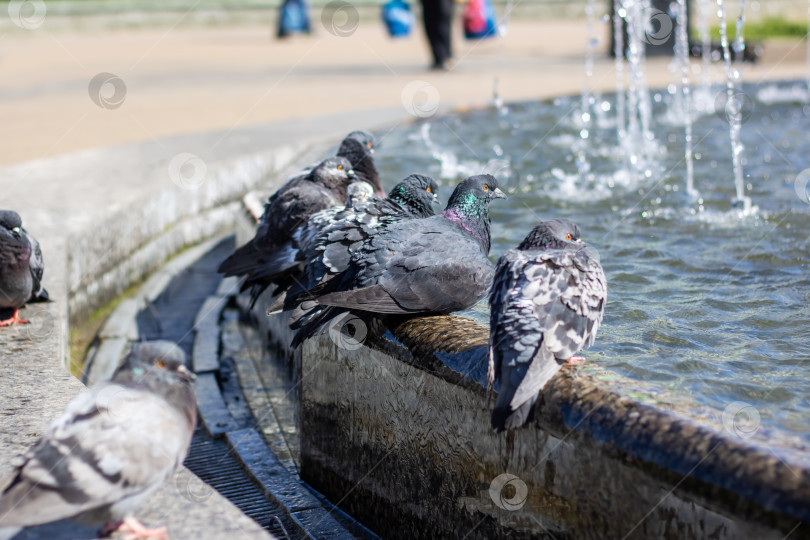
<point x="432" y="265"/>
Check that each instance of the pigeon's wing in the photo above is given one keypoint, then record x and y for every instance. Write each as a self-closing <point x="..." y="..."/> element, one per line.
<point x="570" y="291"/>
<point x="430" y="273"/>
<point x="516" y="356"/>
<point x="545" y="306"/>
<point x="285" y="212"/>
<point x="37" y="265"/>
<point x="111" y="445"/>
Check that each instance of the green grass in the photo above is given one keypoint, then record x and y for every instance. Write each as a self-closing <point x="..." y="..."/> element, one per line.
<point x="772" y="27"/>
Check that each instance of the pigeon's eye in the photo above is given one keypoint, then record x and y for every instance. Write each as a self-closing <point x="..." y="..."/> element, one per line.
<point x="429" y="190"/>
<point x="340" y="167"/>
<point x="368" y="144"/>
<point x="161" y="364"/>
<point x="486" y="187"/>
<point x="568" y="236"/>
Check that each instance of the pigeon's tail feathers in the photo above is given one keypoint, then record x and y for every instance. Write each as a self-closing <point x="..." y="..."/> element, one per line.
<point x="40" y="296"/>
<point x="519" y="390"/>
<point x="22" y="504"/>
<point x="374" y="298"/>
<point x="503" y="418"/>
<point x="278" y="304"/>
<point x="240" y="262"/>
<point x="313" y="323"/>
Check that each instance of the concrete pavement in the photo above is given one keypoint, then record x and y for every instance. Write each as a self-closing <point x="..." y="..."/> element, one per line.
<point x="169" y="81"/>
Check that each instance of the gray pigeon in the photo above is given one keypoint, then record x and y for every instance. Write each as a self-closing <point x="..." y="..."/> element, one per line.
<point x="111" y="448"/>
<point x="546" y="304"/>
<point x="358" y="148"/>
<point x="433" y="265"/>
<point x="21" y="267"/>
<point x="287" y="210"/>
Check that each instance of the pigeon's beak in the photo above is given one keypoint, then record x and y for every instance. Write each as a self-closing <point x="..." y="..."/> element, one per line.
<point x="186" y="374"/>
<point x="351" y="174"/>
<point x="498" y="194"/>
<point x="435" y="198"/>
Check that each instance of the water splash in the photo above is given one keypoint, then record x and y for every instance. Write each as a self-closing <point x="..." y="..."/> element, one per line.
<point x="587" y="100"/>
<point x="618" y="33"/>
<point x="684" y="93"/>
<point x="733" y="108"/>
<point x="703" y="99"/>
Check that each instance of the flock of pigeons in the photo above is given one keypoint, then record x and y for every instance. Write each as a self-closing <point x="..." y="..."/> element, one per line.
<point x="330" y="242"/>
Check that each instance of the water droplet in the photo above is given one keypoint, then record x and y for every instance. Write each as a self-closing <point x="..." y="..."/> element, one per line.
<point x="672" y="89"/>
<point x="622" y="13"/>
<point x="606" y="106"/>
<point x="584" y="133"/>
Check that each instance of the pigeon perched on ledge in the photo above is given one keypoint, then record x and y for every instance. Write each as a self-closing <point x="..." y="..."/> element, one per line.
<point x="324" y="245"/>
<point x="546" y="304"/>
<point x="358" y="148"/>
<point x="111" y="448"/>
<point x="435" y="265"/>
<point x="287" y="210"/>
<point x="21" y="267"/>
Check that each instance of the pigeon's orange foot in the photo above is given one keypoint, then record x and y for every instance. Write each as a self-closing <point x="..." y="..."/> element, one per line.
<point x="14" y="320"/>
<point x="575" y="360"/>
<point x="135" y="530"/>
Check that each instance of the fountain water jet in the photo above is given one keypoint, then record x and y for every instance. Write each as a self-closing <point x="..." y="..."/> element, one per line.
<point x="684" y="94"/>
<point x="733" y="108"/>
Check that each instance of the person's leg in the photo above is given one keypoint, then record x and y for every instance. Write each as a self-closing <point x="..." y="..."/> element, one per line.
<point x="444" y="29"/>
<point x="437" y="24"/>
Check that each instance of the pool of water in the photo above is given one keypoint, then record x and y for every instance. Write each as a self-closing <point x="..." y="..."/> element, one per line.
<point x="703" y="302"/>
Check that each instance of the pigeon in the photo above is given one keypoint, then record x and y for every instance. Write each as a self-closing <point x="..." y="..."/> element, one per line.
<point x="286" y="210"/>
<point x="326" y="242"/>
<point x="546" y="304"/>
<point x="21" y="267"/>
<point x="433" y="265"/>
<point x="358" y="148"/>
<point x="111" y="448"/>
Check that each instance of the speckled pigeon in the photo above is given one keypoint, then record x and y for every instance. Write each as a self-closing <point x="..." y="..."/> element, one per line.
<point x="111" y="448"/>
<point x="325" y="243"/>
<point x="21" y="267"/>
<point x="546" y="304"/>
<point x="437" y="264"/>
<point x="288" y="209"/>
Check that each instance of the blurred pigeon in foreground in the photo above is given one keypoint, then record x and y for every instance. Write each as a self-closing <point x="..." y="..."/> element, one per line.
<point x="287" y="210"/>
<point x="437" y="264"/>
<point x="113" y="446"/>
<point x="546" y="304"/>
<point x="21" y="267"/>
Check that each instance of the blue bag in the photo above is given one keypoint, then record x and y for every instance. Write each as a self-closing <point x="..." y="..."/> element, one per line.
<point x="294" y="18"/>
<point x="398" y="18"/>
<point x="479" y="20"/>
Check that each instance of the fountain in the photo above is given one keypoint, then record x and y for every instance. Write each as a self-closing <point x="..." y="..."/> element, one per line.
<point x="733" y="105"/>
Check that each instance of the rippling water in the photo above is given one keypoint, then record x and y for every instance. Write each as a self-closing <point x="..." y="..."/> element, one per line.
<point x="702" y="302"/>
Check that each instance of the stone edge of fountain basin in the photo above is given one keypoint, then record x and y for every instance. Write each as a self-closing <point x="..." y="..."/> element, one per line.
<point x="742" y="483"/>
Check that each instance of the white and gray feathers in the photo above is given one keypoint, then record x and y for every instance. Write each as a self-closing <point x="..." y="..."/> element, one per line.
<point x="111" y="448"/>
<point x="546" y="304"/>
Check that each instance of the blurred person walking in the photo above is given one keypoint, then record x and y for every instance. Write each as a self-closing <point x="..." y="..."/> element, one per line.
<point x="437" y="16"/>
